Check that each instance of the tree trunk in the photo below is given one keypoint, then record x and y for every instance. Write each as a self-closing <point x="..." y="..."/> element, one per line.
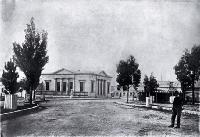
<point x="133" y="96"/>
<point x="183" y="95"/>
<point x="156" y="97"/>
<point x="30" y="100"/>
<point x="183" y="88"/>
<point x="193" y="80"/>
<point x="127" y="94"/>
<point x="193" y="98"/>
<point x="34" y="95"/>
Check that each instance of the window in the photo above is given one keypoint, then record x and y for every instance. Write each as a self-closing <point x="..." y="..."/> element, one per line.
<point x="81" y="86"/>
<point x="92" y="86"/>
<point x="108" y="87"/>
<point x="130" y="94"/>
<point x="70" y="85"/>
<point x="47" y="85"/>
<point x="64" y="86"/>
<point x="117" y="94"/>
<point x="100" y="87"/>
<point x="58" y="86"/>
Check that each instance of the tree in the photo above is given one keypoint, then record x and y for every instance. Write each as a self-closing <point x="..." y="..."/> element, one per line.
<point x="150" y="84"/>
<point x="183" y="73"/>
<point x="9" y="77"/>
<point x="194" y="66"/>
<point x="24" y="84"/>
<point x="153" y="84"/>
<point x="31" y="56"/>
<point x="128" y="74"/>
<point x="146" y="85"/>
<point x="188" y="69"/>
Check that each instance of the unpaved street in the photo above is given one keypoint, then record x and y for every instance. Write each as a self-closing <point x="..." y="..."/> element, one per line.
<point x="96" y="117"/>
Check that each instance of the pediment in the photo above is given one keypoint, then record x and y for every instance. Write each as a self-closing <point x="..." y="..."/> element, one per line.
<point x="103" y="73"/>
<point x="63" y="71"/>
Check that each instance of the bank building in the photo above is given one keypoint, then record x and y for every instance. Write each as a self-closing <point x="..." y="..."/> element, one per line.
<point x="77" y="83"/>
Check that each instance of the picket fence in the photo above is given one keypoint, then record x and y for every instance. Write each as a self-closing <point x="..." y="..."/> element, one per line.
<point x="10" y="101"/>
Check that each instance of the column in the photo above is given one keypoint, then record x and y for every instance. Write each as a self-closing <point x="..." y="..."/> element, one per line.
<point x="67" y="86"/>
<point x="105" y="87"/>
<point x="101" y="86"/>
<point x="98" y="87"/>
<point x="74" y="89"/>
<point x="61" y="85"/>
<point x="55" y="85"/>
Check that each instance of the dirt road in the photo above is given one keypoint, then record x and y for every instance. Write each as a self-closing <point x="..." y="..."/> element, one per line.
<point x="96" y="118"/>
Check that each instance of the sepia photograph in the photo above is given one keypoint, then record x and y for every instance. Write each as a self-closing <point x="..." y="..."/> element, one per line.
<point x="99" y="68"/>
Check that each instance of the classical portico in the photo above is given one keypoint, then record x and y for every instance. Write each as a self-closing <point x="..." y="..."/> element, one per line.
<point x="63" y="86"/>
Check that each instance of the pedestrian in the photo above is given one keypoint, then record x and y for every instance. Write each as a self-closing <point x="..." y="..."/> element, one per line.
<point x="44" y="99"/>
<point x="176" y="110"/>
<point x="71" y="96"/>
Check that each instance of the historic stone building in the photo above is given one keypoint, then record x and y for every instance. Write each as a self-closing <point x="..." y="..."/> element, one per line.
<point x="66" y="82"/>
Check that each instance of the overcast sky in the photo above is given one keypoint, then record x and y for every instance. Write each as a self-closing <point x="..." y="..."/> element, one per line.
<point x="95" y="34"/>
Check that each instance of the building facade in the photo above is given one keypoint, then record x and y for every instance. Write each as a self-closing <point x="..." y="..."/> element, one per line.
<point x="66" y="82"/>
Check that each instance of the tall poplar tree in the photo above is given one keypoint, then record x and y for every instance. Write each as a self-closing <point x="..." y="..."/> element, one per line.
<point x="31" y="56"/>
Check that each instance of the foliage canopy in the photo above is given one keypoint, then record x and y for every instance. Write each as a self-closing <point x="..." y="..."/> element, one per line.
<point x="128" y="74"/>
<point x="9" y="78"/>
<point x="150" y="84"/>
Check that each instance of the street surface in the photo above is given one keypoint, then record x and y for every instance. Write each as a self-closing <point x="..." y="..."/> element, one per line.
<point x="96" y="118"/>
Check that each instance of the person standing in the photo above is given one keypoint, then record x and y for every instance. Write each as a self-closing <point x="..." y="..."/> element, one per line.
<point x="176" y="110"/>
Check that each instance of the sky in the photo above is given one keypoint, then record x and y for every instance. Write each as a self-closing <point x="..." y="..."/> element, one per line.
<point x="95" y="35"/>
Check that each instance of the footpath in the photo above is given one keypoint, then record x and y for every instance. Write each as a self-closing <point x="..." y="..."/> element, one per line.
<point x="187" y="109"/>
<point x="19" y="112"/>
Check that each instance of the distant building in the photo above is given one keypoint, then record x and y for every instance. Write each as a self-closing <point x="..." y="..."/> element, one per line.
<point x="119" y="93"/>
<point x="169" y="86"/>
<point x="115" y="92"/>
<point x="67" y="82"/>
<point x="196" y="92"/>
<point x="164" y="91"/>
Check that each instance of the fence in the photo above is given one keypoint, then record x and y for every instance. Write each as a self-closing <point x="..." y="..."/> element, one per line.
<point x="75" y="93"/>
<point x="45" y="92"/>
<point x="81" y="94"/>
